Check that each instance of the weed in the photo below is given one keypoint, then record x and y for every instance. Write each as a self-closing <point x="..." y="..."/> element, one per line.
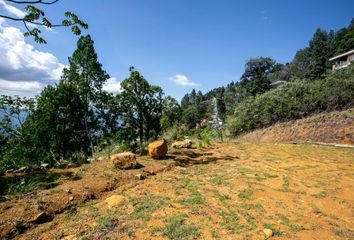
<point x="321" y="194"/>
<point x="337" y="231"/>
<point x="286" y="184"/>
<point x="317" y="210"/>
<point x="176" y="229"/>
<point x="214" y="234"/>
<point x="230" y="221"/>
<point x="246" y="194"/>
<point x="143" y="207"/>
<point x="218" y="180"/>
<point x="286" y="222"/>
<point x="275" y="231"/>
<point x="106" y="223"/>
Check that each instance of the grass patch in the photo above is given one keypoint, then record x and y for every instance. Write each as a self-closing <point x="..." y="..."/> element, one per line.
<point x="286" y="184"/>
<point x="290" y="225"/>
<point x="230" y="221"/>
<point x="143" y="207"/>
<point x="317" y="210"/>
<point x="218" y="180"/>
<point x="214" y="234"/>
<point x="321" y="194"/>
<point x="246" y="194"/>
<point x="195" y="197"/>
<point x="275" y="231"/>
<point x="338" y="231"/>
<point x="176" y="229"/>
<point x="106" y="223"/>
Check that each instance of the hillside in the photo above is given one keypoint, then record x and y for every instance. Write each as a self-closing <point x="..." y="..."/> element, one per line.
<point x="333" y="128"/>
<point x="230" y="190"/>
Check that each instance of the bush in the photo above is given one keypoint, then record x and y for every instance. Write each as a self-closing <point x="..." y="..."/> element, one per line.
<point x="294" y="100"/>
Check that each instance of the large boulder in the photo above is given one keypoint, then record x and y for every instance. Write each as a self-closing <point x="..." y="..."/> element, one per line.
<point x="182" y="144"/>
<point x="157" y="149"/>
<point x="124" y="160"/>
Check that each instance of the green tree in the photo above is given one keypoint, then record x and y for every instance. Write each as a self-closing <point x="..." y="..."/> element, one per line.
<point x="344" y="39"/>
<point x="54" y="130"/>
<point x="142" y="106"/>
<point x="85" y="73"/>
<point x="319" y="48"/>
<point x="255" y="78"/>
<point x="171" y="113"/>
<point x="36" y="17"/>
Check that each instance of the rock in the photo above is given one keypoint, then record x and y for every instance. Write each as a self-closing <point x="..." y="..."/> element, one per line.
<point x="44" y="166"/>
<point x="41" y="218"/>
<point x="140" y="176"/>
<point x="71" y="198"/>
<point x="114" y="200"/>
<point x="182" y="144"/>
<point x="157" y="149"/>
<point x="100" y="159"/>
<point x="124" y="160"/>
<point x="268" y="232"/>
<point x="73" y="165"/>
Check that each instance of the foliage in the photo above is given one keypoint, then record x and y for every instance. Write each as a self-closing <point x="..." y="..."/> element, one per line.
<point x="53" y="131"/>
<point x="312" y="62"/>
<point x="142" y="105"/>
<point x="86" y="75"/>
<point x="176" y="228"/>
<point x="255" y="78"/>
<point x="36" y="17"/>
<point x="294" y="100"/>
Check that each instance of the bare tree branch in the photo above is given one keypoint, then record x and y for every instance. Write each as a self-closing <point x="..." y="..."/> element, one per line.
<point x="33" y="2"/>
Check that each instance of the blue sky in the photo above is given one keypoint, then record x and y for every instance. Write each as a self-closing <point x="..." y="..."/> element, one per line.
<point x="179" y="45"/>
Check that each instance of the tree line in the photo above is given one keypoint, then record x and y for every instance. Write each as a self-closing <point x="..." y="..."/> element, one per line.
<point x="309" y="64"/>
<point x="70" y="120"/>
<point x="76" y="118"/>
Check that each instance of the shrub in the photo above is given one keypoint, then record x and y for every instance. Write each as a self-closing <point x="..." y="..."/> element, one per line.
<point x="294" y="100"/>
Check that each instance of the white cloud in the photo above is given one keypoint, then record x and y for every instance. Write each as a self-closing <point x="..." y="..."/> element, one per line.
<point x="22" y="67"/>
<point x="182" y="80"/>
<point x="112" y="86"/>
<point x="12" y="10"/>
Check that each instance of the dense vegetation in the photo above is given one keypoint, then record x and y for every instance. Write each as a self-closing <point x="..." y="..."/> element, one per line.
<point x="293" y="100"/>
<point x="310" y="64"/>
<point x="73" y="119"/>
<point x="76" y="118"/>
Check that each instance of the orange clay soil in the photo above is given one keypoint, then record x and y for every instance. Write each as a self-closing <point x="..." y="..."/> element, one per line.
<point x="300" y="191"/>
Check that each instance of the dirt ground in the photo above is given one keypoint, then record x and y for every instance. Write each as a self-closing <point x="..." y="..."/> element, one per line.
<point x="227" y="191"/>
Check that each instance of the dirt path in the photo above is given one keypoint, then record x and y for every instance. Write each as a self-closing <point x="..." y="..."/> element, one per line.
<point x="300" y="191"/>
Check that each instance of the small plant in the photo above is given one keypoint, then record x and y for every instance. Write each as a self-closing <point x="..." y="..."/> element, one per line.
<point x="275" y="231"/>
<point x="106" y="223"/>
<point x="246" y="194"/>
<point x="230" y="221"/>
<point x="317" y="210"/>
<point x="143" y="207"/>
<point x="176" y="229"/>
<point x="286" y="222"/>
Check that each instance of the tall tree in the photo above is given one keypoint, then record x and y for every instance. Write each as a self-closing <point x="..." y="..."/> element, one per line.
<point x="142" y="105"/>
<point x="85" y="73"/>
<point x="255" y="78"/>
<point x="319" y="48"/>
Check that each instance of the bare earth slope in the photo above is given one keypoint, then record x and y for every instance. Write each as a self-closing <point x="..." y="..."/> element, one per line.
<point x="301" y="191"/>
<point x="334" y="127"/>
<point x="230" y="190"/>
